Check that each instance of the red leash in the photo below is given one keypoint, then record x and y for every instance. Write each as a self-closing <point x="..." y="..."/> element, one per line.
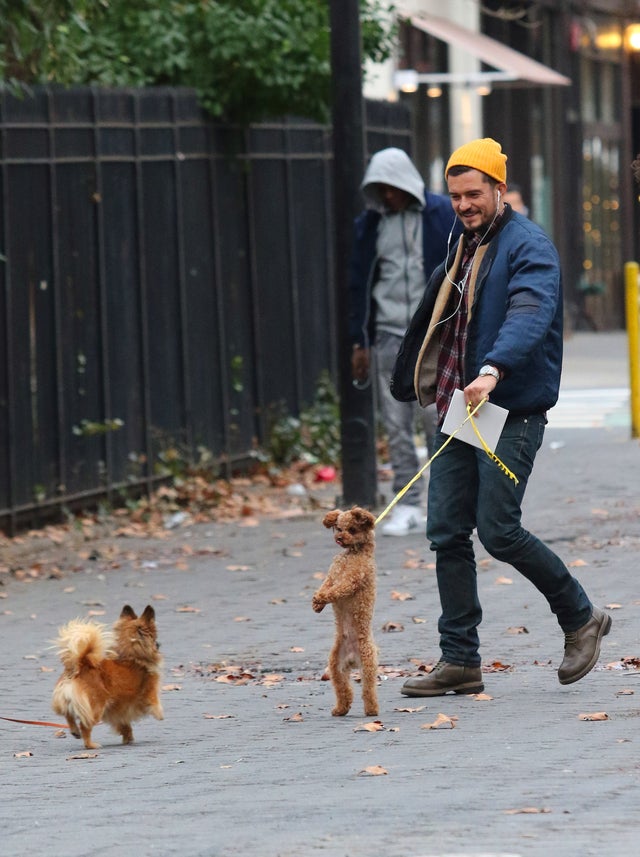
<point x="37" y="722"/>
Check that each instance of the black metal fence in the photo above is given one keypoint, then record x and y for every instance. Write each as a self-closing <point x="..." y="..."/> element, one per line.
<point x="165" y="283"/>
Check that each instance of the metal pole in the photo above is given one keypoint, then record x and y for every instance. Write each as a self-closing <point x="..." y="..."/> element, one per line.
<point x="357" y="413"/>
<point x="632" y="290"/>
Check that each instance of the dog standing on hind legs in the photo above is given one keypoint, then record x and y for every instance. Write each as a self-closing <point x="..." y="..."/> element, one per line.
<point x="114" y="677"/>
<point x="350" y="587"/>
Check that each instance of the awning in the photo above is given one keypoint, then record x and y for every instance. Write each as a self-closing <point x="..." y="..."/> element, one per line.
<point x="519" y="69"/>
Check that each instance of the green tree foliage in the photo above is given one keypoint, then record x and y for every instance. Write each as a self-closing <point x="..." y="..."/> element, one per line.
<point x="247" y="59"/>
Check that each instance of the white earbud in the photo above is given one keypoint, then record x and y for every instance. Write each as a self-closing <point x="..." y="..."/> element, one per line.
<point x="498" y="199"/>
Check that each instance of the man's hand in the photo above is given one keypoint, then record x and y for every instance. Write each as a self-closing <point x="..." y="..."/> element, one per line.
<point x="479" y="389"/>
<point x="360" y="359"/>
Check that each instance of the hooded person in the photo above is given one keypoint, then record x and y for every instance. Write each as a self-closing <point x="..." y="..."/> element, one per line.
<point x="400" y="238"/>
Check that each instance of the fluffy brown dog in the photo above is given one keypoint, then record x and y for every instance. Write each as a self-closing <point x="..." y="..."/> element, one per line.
<point x="350" y="586"/>
<point x="110" y="677"/>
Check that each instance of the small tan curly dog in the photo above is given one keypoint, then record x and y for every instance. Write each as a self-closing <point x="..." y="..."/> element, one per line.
<point x="350" y="587"/>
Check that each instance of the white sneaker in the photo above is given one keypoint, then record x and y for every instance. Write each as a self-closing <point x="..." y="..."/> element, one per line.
<point x="404" y="520"/>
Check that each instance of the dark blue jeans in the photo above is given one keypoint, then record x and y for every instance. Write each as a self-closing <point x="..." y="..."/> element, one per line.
<point x="468" y="490"/>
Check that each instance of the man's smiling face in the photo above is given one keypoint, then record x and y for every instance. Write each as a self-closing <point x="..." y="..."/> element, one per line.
<point x="474" y="198"/>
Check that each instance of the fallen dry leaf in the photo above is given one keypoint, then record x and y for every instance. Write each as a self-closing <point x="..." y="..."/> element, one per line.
<point x="503" y="581"/>
<point x="296" y="649"/>
<point x="624" y="664"/>
<point x="481" y="697"/>
<point x="245" y="678"/>
<point x="625" y="692"/>
<point x="238" y="568"/>
<point x="577" y="563"/>
<point x="295" y="718"/>
<point x="218" y="716"/>
<point x="419" y="564"/>
<point x="82" y="756"/>
<point x="269" y="679"/>
<point x="441" y="722"/>
<point x="242" y="619"/>
<point x="374" y="726"/>
<point x="517" y="629"/>
<point x="417" y="620"/>
<point x="373" y="771"/>
<point x="527" y="810"/>
<point x="422" y="667"/>
<point x="495" y="667"/>
<point x="187" y="609"/>
<point x="391" y="672"/>
<point x="410" y="710"/>
<point x="172" y="687"/>
<point x="596" y="715"/>
<point x="390" y="627"/>
<point x="613" y="606"/>
<point x="401" y="596"/>
<point x="23" y="754"/>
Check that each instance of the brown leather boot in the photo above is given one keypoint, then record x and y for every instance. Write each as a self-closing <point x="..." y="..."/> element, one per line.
<point x="582" y="647"/>
<point x="445" y="678"/>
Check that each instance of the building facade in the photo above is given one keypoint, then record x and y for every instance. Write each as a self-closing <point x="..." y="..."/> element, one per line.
<point x="570" y="122"/>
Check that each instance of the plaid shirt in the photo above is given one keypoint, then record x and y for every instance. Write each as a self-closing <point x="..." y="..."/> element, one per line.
<point x="453" y="337"/>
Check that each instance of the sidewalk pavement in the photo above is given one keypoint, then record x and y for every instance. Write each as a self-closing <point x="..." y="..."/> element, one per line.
<point x="249" y="760"/>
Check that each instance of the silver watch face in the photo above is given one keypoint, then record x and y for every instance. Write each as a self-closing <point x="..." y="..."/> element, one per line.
<point x="490" y="370"/>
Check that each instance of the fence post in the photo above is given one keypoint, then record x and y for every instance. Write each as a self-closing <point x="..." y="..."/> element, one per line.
<point x="359" y="477"/>
<point x="632" y="302"/>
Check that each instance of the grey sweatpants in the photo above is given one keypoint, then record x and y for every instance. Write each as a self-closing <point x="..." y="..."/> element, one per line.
<point x="399" y="420"/>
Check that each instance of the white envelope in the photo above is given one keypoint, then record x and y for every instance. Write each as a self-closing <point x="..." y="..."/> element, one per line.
<point x="490" y="420"/>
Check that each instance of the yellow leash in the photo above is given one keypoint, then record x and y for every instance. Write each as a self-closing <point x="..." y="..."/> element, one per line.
<point x="470" y="415"/>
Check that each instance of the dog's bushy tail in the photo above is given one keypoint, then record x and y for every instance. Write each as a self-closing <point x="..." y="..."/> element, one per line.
<point x="82" y="642"/>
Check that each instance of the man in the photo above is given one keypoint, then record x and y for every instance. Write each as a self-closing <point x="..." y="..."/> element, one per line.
<point x="399" y="240"/>
<point x="491" y="325"/>
<point x="514" y="197"/>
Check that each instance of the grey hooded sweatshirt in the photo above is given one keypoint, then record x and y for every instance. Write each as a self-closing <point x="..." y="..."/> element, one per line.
<point x="400" y="282"/>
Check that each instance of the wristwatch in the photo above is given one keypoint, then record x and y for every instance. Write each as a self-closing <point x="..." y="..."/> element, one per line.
<point x="490" y="370"/>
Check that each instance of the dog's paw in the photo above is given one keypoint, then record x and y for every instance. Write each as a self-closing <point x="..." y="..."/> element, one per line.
<point x="318" y="604"/>
<point x="371" y="711"/>
<point x="339" y="711"/>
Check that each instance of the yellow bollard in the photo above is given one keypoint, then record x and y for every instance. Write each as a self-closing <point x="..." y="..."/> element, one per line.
<point x="632" y="302"/>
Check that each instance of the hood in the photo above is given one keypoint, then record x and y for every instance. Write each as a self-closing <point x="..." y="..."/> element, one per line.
<point x="393" y="167"/>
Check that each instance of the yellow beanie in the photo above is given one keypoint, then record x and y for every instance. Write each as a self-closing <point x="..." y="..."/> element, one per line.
<point x="485" y="155"/>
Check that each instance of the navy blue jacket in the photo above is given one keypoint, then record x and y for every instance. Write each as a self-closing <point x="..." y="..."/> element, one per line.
<point x="516" y="321"/>
<point x="437" y="221"/>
